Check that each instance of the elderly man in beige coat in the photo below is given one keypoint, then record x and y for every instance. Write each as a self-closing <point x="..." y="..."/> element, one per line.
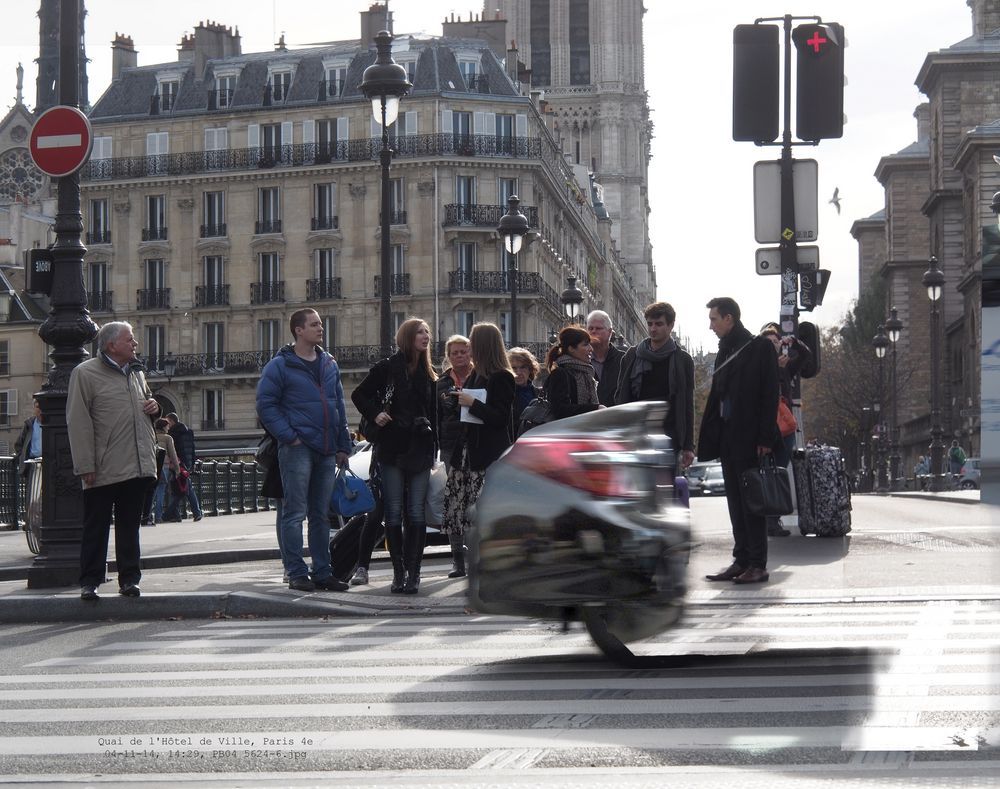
<point x="109" y="410"/>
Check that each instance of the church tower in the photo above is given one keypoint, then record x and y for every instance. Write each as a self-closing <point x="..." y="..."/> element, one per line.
<point x="47" y="84"/>
<point x="586" y="57"/>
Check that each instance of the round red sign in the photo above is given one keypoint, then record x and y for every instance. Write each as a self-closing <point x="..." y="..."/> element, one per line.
<point x="61" y="140"/>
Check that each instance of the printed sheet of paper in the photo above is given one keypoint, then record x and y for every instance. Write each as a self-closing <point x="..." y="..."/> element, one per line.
<point x="479" y="394"/>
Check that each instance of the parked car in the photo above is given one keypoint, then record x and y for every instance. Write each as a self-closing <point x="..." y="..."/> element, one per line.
<point x="969" y="476"/>
<point x="579" y="520"/>
<point x="705" y="479"/>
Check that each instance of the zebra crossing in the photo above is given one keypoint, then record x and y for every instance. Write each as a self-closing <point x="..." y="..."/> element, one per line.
<point x="863" y="686"/>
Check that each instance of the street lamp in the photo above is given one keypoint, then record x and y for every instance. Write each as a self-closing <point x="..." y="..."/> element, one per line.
<point x="894" y="326"/>
<point x="169" y="366"/>
<point x="513" y="228"/>
<point x="933" y="280"/>
<point x="384" y="83"/>
<point x="571" y="299"/>
<point x="880" y="343"/>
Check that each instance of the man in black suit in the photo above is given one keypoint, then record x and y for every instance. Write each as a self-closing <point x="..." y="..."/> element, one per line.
<point x="606" y="359"/>
<point x="738" y="427"/>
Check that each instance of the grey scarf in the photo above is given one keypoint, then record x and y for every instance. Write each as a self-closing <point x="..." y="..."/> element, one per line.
<point x="645" y="357"/>
<point x="583" y="374"/>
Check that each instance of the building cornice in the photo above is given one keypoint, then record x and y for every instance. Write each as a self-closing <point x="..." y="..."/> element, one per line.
<point x="939" y="196"/>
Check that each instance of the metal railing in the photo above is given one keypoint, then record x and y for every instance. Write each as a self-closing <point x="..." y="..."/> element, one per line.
<point x="325" y="223"/>
<point x="395" y="217"/>
<point x="399" y="285"/>
<point x="317" y="289"/>
<point x="154" y="234"/>
<point x="213" y="231"/>
<point x="152" y="299"/>
<point x="220" y="99"/>
<point x="267" y="292"/>
<point x="211" y="295"/>
<point x="262" y="226"/>
<point x="492" y="281"/>
<point x="481" y="214"/>
<point x="305" y="154"/>
<point x="99" y="236"/>
<point x="100" y="300"/>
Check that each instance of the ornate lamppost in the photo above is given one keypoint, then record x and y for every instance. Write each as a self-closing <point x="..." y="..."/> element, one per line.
<point x="880" y="343"/>
<point x="933" y="280"/>
<point x="384" y="83"/>
<point x="513" y="228"/>
<point x="894" y="327"/>
<point x="571" y="299"/>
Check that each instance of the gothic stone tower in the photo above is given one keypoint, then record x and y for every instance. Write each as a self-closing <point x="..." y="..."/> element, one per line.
<point x="586" y="56"/>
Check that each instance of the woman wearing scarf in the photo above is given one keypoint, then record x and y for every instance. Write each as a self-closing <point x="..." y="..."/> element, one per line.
<point x="656" y="369"/>
<point x="571" y="386"/>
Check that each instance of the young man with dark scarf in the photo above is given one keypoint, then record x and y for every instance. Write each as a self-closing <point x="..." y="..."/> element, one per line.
<point x="656" y="369"/>
<point x="738" y="427"/>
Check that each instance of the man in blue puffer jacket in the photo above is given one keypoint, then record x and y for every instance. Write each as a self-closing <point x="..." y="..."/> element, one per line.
<point x="300" y="401"/>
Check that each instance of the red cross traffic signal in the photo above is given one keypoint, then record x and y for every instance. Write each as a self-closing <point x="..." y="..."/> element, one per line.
<point x="819" y="91"/>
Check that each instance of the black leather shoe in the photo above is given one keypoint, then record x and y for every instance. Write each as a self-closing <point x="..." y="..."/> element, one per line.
<point x="777" y="530"/>
<point x="728" y="574"/>
<point x="302" y="585"/>
<point x="754" y="575"/>
<point x="130" y="590"/>
<point x="88" y="593"/>
<point x="331" y="584"/>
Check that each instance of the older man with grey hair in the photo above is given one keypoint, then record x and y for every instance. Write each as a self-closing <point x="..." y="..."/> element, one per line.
<point x="607" y="358"/>
<point x="111" y="437"/>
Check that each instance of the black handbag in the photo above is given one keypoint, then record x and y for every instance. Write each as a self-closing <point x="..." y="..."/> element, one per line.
<point x="369" y="428"/>
<point x="766" y="490"/>
<point x="537" y="412"/>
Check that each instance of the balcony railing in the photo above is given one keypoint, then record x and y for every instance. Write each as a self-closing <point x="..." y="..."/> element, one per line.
<point x="318" y="289"/>
<point x="99" y="236"/>
<point x="161" y="103"/>
<point x="483" y="215"/>
<point x="100" y="300"/>
<point x="267" y="292"/>
<point x="478" y="83"/>
<point x="395" y="218"/>
<point x="492" y="282"/>
<point x="213" y="231"/>
<point x="325" y="223"/>
<point x="152" y="299"/>
<point x="211" y="295"/>
<point x="330" y="89"/>
<point x="267" y="226"/>
<point x="306" y="154"/>
<point x="213" y="424"/>
<point x="399" y="285"/>
<point x="220" y="99"/>
<point x="154" y="234"/>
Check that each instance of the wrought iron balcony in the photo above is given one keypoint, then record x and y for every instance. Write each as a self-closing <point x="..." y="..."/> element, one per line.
<point x="482" y="215"/>
<point x="161" y="103"/>
<point x="318" y="289"/>
<point x="325" y="223"/>
<point x="220" y="99"/>
<point x="267" y="226"/>
<point x="211" y="296"/>
<point x="100" y="300"/>
<point x="331" y="89"/>
<point x="399" y="285"/>
<point x="461" y="281"/>
<point x="99" y="236"/>
<point x="152" y="299"/>
<point x="395" y="217"/>
<point x="154" y="234"/>
<point x="213" y="231"/>
<point x="213" y="424"/>
<point x="267" y="292"/>
<point x="308" y="154"/>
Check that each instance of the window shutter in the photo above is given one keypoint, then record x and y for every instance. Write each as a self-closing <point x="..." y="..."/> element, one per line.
<point x="521" y="125"/>
<point x="447" y="125"/>
<point x="343" y="129"/>
<point x="11" y="398"/>
<point x="253" y="135"/>
<point x="286" y="133"/>
<point x="479" y="123"/>
<point x="490" y="126"/>
<point x="411" y="122"/>
<point x="308" y="132"/>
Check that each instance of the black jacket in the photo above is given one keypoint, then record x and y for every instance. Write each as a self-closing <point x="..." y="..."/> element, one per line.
<point x="183" y="438"/>
<point x="487" y="442"/>
<point x="448" y="425"/>
<point x="562" y="395"/>
<point x="680" y="418"/>
<point x="749" y="383"/>
<point x="607" y="384"/>
<point x="413" y="397"/>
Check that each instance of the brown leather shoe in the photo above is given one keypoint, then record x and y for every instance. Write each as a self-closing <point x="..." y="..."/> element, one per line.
<point x="754" y="575"/>
<point x="728" y="574"/>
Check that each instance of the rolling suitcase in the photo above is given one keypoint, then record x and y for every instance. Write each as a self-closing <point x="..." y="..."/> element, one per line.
<point x="824" y="498"/>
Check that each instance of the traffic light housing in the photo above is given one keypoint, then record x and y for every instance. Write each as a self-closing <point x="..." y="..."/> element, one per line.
<point x="756" y="79"/>
<point x="810" y="335"/>
<point x="819" y="90"/>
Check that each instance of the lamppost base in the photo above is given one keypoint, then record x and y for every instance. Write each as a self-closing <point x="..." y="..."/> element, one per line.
<point x="55" y="570"/>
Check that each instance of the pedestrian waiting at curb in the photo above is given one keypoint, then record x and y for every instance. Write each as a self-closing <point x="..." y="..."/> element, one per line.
<point x="108" y="413"/>
<point x="606" y="359"/>
<point x="571" y="387"/>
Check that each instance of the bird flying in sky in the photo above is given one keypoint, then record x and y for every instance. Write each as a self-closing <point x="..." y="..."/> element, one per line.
<point x="835" y="200"/>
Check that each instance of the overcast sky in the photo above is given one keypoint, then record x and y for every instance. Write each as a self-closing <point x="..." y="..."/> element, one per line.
<point x="700" y="180"/>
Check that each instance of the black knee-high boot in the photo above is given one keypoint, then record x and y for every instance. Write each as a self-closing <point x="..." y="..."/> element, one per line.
<point x="394" y="537"/>
<point x="413" y="554"/>
<point x="457" y="555"/>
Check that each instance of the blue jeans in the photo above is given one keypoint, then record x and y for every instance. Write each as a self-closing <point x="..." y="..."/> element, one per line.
<point x="398" y="485"/>
<point x="307" y="478"/>
<point x="158" y="496"/>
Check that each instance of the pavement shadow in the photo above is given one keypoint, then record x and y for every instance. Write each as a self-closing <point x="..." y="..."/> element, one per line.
<point x="797" y="551"/>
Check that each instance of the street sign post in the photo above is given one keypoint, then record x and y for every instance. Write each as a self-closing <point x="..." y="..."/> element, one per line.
<point x="767" y="223"/>
<point x="768" y="259"/>
<point x="60" y="141"/>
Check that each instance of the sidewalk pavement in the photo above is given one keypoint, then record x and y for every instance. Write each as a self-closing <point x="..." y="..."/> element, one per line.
<point x="228" y="566"/>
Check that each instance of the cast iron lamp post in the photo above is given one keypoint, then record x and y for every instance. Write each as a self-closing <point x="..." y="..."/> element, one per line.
<point x="384" y="83"/>
<point x="571" y="299"/>
<point x="894" y="327"/>
<point x="933" y="280"/>
<point x="880" y="343"/>
<point x="513" y="228"/>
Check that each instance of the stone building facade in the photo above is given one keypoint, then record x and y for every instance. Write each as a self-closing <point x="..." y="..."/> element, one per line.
<point x="227" y="190"/>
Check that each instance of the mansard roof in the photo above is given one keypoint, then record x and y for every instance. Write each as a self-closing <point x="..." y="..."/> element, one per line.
<point x="913" y="155"/>
<point x="967" y="52"/>
<point x="437" y="71"/>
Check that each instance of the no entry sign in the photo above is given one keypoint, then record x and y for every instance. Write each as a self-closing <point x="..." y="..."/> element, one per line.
<point x="61" y="140"/>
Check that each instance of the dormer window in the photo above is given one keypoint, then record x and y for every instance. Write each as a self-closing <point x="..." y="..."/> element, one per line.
<point x="469" y="69"/>
<point x="278" y="85"/>
<point x="225" y="87"/>
<point x="336" y="81"/>
<point x="166" y="94"/>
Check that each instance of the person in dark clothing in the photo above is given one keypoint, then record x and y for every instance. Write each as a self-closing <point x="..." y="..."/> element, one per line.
<point x="406" y="445"/>
<point x="458" y="367"/>
<point x="525" y="367"/>
<point x="571" y="386"/>
<point x="657" y="369"/>
<point x="183" y="438"/>
<point x="739" y="427"/>
<point x="606" y="359"/>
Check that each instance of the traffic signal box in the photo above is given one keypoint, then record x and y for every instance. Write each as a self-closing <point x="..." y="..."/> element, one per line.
<point x="756" y="77"/>
<point x="819" y="90"/>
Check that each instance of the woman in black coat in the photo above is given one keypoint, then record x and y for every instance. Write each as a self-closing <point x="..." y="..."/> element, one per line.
<point x="480" y="443"/>
<point x="571" y="386"/>
<point x="398" y="395"/>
